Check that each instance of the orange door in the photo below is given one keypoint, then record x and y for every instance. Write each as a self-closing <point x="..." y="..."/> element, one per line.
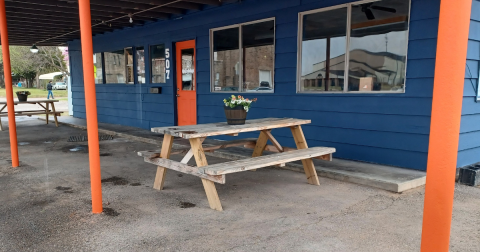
<point x="186" y="85"/>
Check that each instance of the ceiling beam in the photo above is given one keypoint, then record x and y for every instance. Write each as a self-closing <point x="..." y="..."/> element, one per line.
<point x="207" y="2"/>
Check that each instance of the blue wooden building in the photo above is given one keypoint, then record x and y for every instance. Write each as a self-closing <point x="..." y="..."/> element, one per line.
<point x="362" y="71"/>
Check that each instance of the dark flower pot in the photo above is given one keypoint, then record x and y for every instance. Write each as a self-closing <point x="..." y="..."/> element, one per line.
<point x="235" y="116"/>
<point x="22" y="97"/>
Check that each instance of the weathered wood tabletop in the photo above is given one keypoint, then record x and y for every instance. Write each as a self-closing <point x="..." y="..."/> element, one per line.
<point x="211" y="174"/>
<point x="45" y="111"/>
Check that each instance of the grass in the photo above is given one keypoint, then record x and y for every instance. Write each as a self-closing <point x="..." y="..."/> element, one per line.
<point x="35" y="93"/>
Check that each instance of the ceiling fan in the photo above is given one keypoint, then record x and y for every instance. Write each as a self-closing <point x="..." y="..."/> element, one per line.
<point x="368" y="7"/>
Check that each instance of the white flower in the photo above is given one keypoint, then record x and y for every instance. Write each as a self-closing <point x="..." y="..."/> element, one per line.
<point x="246" y="108"/>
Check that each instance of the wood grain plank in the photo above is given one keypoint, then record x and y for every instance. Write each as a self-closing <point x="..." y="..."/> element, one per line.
<point x="271" y="148"/>
<point x="265" y="161"/>
<point x="308" y="165"/>
<point x="165" y="153"/>
<point x="274" y="141"/>
<point x="184" y="168"/>
<point x="209" y="186"/>
<point x="224" y="129"/>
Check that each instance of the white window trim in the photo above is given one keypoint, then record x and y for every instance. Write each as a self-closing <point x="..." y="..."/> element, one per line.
<point x="240" y="76"/>
<point x="347" y="52"/>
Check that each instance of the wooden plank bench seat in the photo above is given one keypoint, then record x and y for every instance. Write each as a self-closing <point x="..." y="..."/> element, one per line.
<point x="217" y="172"/>
<point x="265" y="161"/>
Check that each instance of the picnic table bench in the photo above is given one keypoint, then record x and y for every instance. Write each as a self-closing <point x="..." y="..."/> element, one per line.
<point x="45" y="111"/>
<point x="211" y="174"/>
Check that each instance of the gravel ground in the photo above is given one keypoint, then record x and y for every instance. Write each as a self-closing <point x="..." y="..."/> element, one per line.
<point x="46" y="206"/>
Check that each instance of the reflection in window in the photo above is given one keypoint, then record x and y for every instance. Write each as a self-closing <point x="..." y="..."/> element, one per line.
<point x="140" y="58"/>
<point x="378" y="46"/>
<point x="258" y="52"/>
<point x="188" y="69"/>
<point x="157" y="57"/>
<point x="115" y="66"/>
<point x="226" y="57"/>
<point x="323" y="51"/>
<point x="98" y="68"/>
<point x="129" y="65"/>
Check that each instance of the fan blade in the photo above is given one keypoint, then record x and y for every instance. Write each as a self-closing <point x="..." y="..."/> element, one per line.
<point x="369" y="14"/>
<point x="381" y="8"/>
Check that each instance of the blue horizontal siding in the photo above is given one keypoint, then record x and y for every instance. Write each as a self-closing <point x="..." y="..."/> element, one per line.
<point x="390" y="129"/>
<point x="469" y="140"/>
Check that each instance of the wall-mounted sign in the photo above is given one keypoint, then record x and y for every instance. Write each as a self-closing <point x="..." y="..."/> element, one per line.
<point x="167" y="63"/>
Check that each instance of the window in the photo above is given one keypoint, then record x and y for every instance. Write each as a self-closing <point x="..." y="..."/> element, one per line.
<point x="115" y="66"/>
<point x="157" y="66"/>
<point x="98" y="68"/>
<point x="140" y="58"/>
<point x="368" y="39"/>
<point x="243" y="57"/>
<point x="129" y="65"/>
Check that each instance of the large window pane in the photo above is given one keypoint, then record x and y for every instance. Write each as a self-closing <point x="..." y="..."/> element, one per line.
<point x="226" y="59"/>
<point x="140" y="58"/>
<point x="157" y="66"/>
<point x="258" y="53"/>
<point x="115" y="67"/>
<point x="129" y="65"/>
<point x="378" y="46"/>
<point x="98" y="68"/>
<point x="323" y="51"/>
<point x="188" y="69"/>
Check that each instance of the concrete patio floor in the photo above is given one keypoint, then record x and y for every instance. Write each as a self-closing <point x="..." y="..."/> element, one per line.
<point x="46" y="205"/>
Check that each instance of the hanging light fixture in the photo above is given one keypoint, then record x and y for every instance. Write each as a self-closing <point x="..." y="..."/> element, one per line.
<point x="34" y="49"/>
<point x="131" y="19"/>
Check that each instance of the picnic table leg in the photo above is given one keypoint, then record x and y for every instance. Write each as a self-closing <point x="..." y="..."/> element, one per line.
<point x="54" y="114"/>
<point x="165" y="153"/>
<point x="209" y="186"/>
<point x="308" y="166"/>
<point x="261" y="143"/>
<point x="1" y="126"/>
<point x="46" y="113"/>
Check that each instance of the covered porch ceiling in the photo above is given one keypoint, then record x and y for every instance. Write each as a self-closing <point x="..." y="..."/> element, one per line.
<point x="54" y="22"/>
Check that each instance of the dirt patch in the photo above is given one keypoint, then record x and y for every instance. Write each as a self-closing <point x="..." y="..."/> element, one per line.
<point x="42" y="202"/>
<point x="110" y="212"/>
<point x="115" y="180"/>
<point x="64" y="189"/>
<point x="179" y="175"/>
<point x="105" y="154"/>
<point x="184" y="204"/>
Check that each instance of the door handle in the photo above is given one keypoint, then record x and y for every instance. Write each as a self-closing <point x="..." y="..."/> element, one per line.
<point x="178" y="95"/>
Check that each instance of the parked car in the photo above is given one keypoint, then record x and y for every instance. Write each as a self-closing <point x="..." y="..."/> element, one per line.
<point x="59" y="86"/>
<point x="261" y="89"/>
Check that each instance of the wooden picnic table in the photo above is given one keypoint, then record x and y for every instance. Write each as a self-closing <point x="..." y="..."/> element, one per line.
<point x="45" y="111"/>
<point x="211" y="174"/>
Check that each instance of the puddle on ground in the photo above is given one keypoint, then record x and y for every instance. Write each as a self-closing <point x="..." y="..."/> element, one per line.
<point x="184" y="204"/>
<point x="135" y="184"/>
<point x="23" y="143"/>
<point x="105" y="154"/>
<point x="79" y="148"/>
<point x="180" y="175"/>
<point x="75" y="148"/>
<point x="115" y="180"/>
<point x="47" y="142"/>
<point x="110" y="212"/>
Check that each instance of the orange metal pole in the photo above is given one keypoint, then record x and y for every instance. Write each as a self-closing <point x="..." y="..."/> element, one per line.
<point x="7" y="72"/>
<point x="452" y="42"/>
<point x="90" y="104"/>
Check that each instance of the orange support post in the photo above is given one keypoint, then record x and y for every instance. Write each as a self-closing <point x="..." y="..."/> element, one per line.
<point x="90" y="104"/>
<point x="452" y="42"/>
<point x="7" y="70"/>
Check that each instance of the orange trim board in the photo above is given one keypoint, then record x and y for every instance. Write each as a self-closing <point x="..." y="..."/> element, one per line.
<point x="451" y="56"/>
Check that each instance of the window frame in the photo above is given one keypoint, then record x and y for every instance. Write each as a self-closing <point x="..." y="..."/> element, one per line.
<point x="150" y="71"/>
<point x="240" y="44"/>
<point x="347" y="52"/>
